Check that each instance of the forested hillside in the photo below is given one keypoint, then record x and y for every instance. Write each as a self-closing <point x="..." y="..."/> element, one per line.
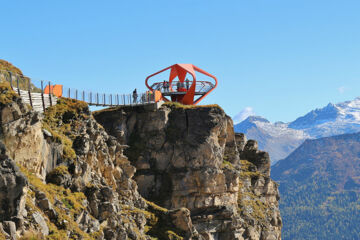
<point x="320" y="189"/>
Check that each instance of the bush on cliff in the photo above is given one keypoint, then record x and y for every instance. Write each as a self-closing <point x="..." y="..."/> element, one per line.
<point x="60" y="119"/>
<point x="7" y="95"/>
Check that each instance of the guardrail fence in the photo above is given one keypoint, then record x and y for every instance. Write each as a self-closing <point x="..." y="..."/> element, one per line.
<point x="41" y="94"/>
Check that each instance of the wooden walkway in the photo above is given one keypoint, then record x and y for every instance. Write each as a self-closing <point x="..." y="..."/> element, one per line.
<point x="38" y="101"/>
<point x="33" y="93"/>
<point x="41" y="101"/>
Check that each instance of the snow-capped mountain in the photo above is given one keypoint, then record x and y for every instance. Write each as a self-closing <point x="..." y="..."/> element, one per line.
<point x="276" y="138"/>
<point x="334" y="119"/>
<point x="280" y="139"/>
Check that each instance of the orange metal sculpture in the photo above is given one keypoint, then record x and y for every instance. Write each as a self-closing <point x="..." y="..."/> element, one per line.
<point x="183" y="90"/>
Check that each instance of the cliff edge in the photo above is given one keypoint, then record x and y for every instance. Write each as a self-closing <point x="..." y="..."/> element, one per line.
<point x="189" y="156"/>
<point x="177" y="172"/>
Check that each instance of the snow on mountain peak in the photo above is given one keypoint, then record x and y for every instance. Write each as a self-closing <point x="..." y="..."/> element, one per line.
<point x="243" y="114"/>
<point x="280" y="139"/>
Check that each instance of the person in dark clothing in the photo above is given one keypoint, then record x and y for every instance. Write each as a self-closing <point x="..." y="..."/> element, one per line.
<point x="165" y="86"/>
<point x="187" y="84"/>
<point x="178" y="86"/>
<point x="135" y="95"/>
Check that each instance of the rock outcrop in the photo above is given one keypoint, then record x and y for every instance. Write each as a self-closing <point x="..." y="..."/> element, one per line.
<point x="190" y="157"/>
<point x="73" y="180"/>
<point x="12" y="196"/>
<point x="177" y="172"/>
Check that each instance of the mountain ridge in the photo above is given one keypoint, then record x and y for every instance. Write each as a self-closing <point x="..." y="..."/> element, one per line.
<point x="331" y="120"/>
<point x="320" y="188"/>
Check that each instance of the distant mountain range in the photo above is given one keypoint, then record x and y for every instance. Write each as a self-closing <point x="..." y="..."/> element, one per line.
<point x="280" y="139"/>
<point x="320" y="188"/>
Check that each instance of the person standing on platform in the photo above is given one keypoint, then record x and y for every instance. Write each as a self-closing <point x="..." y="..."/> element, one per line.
<point x="135" y="95"/>
<point x="187" y="84"/>
<point x="164" y="86"/>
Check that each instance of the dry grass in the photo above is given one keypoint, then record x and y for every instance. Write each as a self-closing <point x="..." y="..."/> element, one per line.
<point x="179" y="105"/>
<point x="58" y="121"/>
<point x="73" y="201"/>
<point x="6" y="66"/>
<point x="7" y="95"/>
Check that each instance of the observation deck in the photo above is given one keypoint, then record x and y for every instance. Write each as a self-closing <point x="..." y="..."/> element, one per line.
<point x="179" y="87"/>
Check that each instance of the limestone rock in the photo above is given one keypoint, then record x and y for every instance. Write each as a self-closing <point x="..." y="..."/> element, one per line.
<point x="12" y="185"/>
<point x="38" y="218"/>
<point x="10" y="228"/>
<point x="3" y="232"/>
<point x="86" y="179"/>
<point x="26" y="141"/>
<point x="190" y="157"/>
<point x="260" y="159"/>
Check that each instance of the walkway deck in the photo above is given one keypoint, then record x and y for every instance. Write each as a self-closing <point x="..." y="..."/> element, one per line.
<point x="34" y="94"/>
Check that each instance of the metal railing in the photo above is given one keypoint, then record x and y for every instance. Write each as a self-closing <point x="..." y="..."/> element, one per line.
<point x="40" y="92"/>
<point x="103" y="99"/>
<point x="201" y="87"/>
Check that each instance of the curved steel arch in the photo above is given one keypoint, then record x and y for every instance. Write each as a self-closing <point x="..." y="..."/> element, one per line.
<point x="185" y="96"/>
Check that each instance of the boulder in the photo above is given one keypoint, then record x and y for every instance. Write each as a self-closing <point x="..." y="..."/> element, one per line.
<point x="13" y="188"/>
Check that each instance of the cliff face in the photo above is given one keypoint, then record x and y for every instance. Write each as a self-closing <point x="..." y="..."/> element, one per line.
<point x="62" y="176"/>
<point x="190" y="157"/>
<point x="172" y="173"/>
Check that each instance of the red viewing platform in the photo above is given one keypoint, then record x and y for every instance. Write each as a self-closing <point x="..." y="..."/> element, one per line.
<point x="183" y="90"/>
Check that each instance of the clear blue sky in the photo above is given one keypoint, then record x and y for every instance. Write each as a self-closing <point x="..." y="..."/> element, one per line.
<point x="281" y="58"/>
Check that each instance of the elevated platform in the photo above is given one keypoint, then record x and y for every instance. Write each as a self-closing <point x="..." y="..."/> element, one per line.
<point x="179" y="88"/>
<point x="181" y="84"/>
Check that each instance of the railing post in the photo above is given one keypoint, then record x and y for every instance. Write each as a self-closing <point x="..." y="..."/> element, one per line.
<point x="123" y="99"/>
<point x="97" y="98"/>
<point x="111" y="100"/>
<point x="11" y="84"/>
<point x="104" y="97"/>
<point x="29" y="90"/>
<point x="76" y="94"/>
<point x="50" y="93"/>
<point x="42" y="94"/>
<point x="83" y="96"/>
<point x="117" y="99"/>
<point x="17" y="83"/>
<point x="69" y="93"/>
<point x="90" y="98"/>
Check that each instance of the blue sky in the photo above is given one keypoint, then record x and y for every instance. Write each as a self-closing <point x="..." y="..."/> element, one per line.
<point x="279" y="59"/>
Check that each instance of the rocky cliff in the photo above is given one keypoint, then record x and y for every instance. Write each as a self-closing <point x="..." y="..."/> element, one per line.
<point x="63" y="177"/>
<point x="172" y="173"/>
<point x="190" y="157"/>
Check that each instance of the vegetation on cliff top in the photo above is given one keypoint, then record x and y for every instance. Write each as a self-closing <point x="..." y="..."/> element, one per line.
<point x="60" y="119"/>
<point x="6" y="66"/>
<point x="7" y="95"/>
<point x="177" y="105"/>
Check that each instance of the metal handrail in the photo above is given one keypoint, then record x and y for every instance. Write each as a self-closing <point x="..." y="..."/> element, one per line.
<point x="23" y="84"/>
<point x="201" y="87"/>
